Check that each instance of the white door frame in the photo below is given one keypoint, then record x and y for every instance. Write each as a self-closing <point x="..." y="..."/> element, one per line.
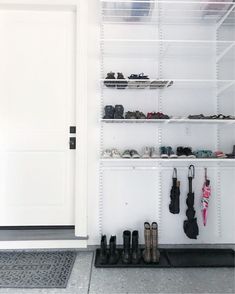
<point x="79" y="7"/>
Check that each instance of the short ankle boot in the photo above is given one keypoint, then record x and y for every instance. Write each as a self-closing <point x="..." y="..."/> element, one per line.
<point x="154" y="243"/>
<point x="135" y="248"/>
<point x="103" y="250"/>
<point x="108" y="112"/>
<point x="110" y="84"/>
<point x="119" y="112"/>
<point x="147" y="239"/>
<point x="121" y="84"/>
<point x="113" y="253"/>
<point x="126" y="254"/>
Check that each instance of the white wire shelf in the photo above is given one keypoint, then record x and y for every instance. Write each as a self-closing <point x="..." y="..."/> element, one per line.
<point x="221" y="85"/>
<point x="166" y="12"/>
<point x="149" y="48"/>
<point x="167" y="160"/>
<point x="172" y="121"/>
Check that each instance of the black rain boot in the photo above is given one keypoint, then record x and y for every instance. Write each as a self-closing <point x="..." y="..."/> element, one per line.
<point x="108" y="112"/>
<point x="126" y="254"/>
<point x="121" y="84"/>
<point x="113" y="253"/>
<point x="110" y="84"/>
<point x="135" y="247"/>
<point x="103" y="250"/>
<point x="119" y="112"/>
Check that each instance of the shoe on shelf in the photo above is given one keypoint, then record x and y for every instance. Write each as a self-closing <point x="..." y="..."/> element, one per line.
<point x="146" y="152"/>
<point x="232" y="155"/>
<point x="188" y="152"/>
<point x="180" y="152"/>
<point x="108" y="112"/>
<point x="126" y="254"/>
<point x="140" y="115"/>
<point x="154" y="243"/>
<point x="118" y="112"/>
<point x="136" y="255"/>
<point x="134" y="154"/>
<point x="205" y="154"/>
<point x="110" y="76"/>
<point x="121" y="84"/>
<point x="113" y="253"/>
<point x="154" y="152"/>
<point x="220" y="154"/>
<point x="103" y="250"/>
<point x="130" y="115"/>
<point x="196" y="116"/>
<point x="163" y="152"/>
<point x="170" y="152"/>
<point x="141" y="81"/>
<point x="126" y="154"/>
<point x="147" y="245"/>
<point x="115" y="153"/>
<point x="107" y="153"/>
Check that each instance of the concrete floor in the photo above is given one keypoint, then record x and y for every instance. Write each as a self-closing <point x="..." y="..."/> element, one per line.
<point x="85" y="278"/>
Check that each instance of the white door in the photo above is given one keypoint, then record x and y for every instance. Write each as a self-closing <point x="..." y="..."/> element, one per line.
<point x="36" y="111"/>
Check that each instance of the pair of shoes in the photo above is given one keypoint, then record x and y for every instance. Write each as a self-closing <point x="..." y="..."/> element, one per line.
<point x="160" y="84"/>
<point x="110" y="256"/>
<point x="111" y="82"/>
<point x="150" y="152"/>
<point x="231" y="155"/>
<point x="216" y="116"/>
<point x="111" y="112"/>
<point x="166" y="152"/>
<point x="185" y="152"/>
<point x="138" y="81"/>
<point x="204" y="154"/>
<point x="130" y="154"/>
<point x="157" y="115"/>
<point x="128" y="255"/>
<point x="111" y="153"/>
<point x="135" y="115"/>
<point x="151" y="252"/>
<point x="220" y="154"/>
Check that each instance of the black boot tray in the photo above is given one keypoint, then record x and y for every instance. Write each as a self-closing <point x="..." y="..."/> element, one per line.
<point x="179" y="258"/>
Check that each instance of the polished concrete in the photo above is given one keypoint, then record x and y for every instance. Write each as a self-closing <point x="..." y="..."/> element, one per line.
<point x="85" y="278"/>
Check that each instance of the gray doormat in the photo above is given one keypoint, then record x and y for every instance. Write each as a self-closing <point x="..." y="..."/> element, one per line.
<point x="36" y="269"/>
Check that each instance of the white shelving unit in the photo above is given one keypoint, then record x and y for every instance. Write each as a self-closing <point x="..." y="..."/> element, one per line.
<point x="192" y="44"/>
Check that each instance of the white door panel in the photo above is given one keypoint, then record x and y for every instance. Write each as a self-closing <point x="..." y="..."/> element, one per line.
<point x="36" y="110"/>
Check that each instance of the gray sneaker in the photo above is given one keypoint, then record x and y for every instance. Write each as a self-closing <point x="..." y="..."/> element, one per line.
<point x="154" y="152"/>
<point x="146" y="153"/>
<point x="134" y="154"/>
<point x="126" y="154"/>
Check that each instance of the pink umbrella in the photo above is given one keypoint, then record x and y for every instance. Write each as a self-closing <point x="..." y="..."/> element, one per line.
<point x="206" y="193"/>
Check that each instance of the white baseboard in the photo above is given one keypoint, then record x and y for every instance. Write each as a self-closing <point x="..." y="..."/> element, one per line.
<point x="43" y="244"/>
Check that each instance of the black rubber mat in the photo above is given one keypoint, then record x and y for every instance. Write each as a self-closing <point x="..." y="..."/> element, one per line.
<point x="201" y="257"/>
<point x="180" y="258"/>
<point x="164" y="262"/>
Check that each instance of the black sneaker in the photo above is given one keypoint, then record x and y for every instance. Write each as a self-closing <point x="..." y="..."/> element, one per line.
<point x="119" y="111"/>
<point x="181" y="152"/>
<point x="109" y="112"/>
<point x="188" y="152"/>
<point x="110" y="76"/>
<point x="121" y="84"/>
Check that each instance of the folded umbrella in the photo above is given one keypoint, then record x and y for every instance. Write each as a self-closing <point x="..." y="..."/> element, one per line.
<point x="174" y="206"/>
<point x="206" y="193"/>
<point x="190" y="225"/>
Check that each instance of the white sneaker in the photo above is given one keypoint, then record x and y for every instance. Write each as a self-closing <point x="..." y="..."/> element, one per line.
<point x="146" y="153"/>
<point x="115" y="153"/>
<point x="107" y="153"/>
<point x="154" y="153"/>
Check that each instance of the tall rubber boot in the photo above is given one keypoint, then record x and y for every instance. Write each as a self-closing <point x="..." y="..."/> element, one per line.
<point x="126" y="254"/>
<point x="147" y="239"/>
<point x="135" y="248"/>
<point x="103" y="250"/>
<point x="113" y="253"/>
<point x="154" y="243"/>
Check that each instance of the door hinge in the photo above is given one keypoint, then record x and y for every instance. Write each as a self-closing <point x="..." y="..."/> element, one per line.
<point x="72" y="143"/>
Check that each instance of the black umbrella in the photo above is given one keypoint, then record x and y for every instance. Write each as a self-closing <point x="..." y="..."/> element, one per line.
<point x="190" y="225"/>
<point x="174" y="206"/>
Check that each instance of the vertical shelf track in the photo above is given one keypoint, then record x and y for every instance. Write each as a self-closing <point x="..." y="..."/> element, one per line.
<point x="218" y="170"/>
<point x="101" y="171"/>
